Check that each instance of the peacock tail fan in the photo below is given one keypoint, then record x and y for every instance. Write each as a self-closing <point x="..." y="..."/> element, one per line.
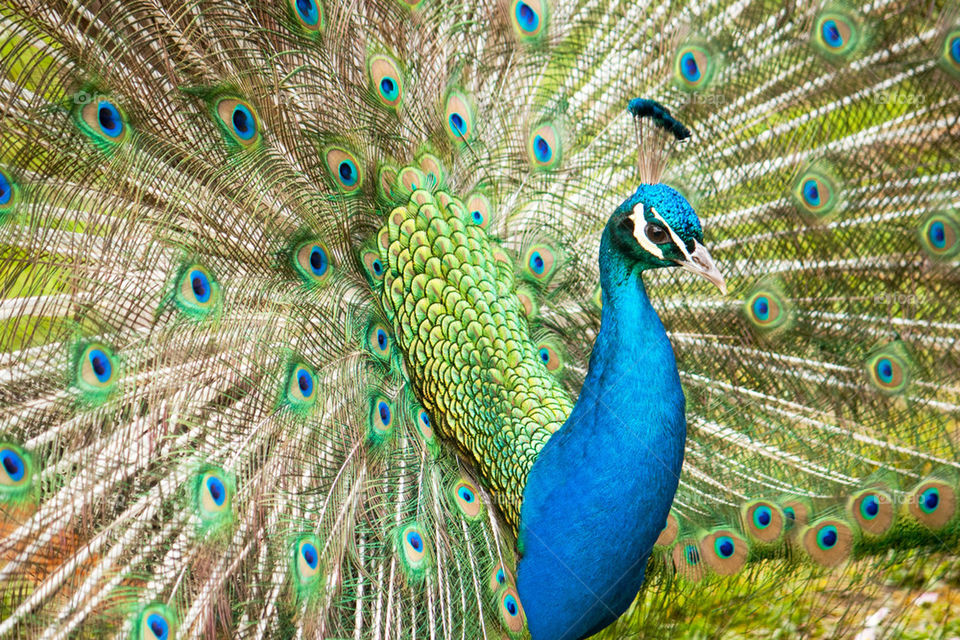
<point x="294" y="292"/>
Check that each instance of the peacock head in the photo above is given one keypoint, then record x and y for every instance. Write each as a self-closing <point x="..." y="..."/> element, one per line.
<point x="656" y="227"/>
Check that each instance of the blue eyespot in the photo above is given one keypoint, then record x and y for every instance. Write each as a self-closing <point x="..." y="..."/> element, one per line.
<point x="870" y="507"/>
<point x="536" y="262"/>
<point x="378" y="267"/>
<point x="424" y="418"/>
<point x="501" y="576"/>
<point x="109" y="119"/>
<point x="6" y="190"/>
<point x="158" y="626"/>
<point x="762" y="517"/>
<point x="415" y="541"/>
<point x="381" y="339"/>
<point x="476" y="216"/>
<point x="217" y="491"/>
<point x="955" y="50"/>
<point x="200" y="285"/>
<point x="827" y="537"/>
<point x="465" y="494"/>
<point x="790" y="513"/>
<point x="811" y="193"/>
<point x="930" y="500"/>
<point x="936" y="232"/>
<point x="309" y="553"/>
<point x="544" y="355"/>
<point x="689" y="67"/>
<point x="509" y="602"/>
<point x="389" y="89"/>
<point x="100" y="363"/>
<point x="318" y="261"/>
<point x="308" y="12"/>
<point x="542" y="150"/>
<point x="384" y="412"/>
<point x="348" y="173"/>
<point x="305" y="382"/>
<point x="884" y="369"/>
<point x="457" y="124"/>
<point x="244" y="124"/>
<point x="724" y="546"/>
<point x="13" y="465"/>
<point x="527" y="18"/>
<point x="761" y="308"/>
<point x="692" y="554"/>
<point x="831" y="34"/>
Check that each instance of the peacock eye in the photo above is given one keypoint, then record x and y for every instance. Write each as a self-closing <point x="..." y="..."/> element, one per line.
<point x="656" y="234"/>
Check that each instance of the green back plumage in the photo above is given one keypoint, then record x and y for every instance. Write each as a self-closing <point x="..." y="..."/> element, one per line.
<point x="201" y="421"/>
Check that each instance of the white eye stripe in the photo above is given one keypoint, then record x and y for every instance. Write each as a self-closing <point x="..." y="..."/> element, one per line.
<point x="676" y="239"/>
<point x="639" y="224"/>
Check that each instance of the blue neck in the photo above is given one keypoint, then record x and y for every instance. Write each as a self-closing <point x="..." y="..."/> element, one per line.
<point x="600" y="490"/>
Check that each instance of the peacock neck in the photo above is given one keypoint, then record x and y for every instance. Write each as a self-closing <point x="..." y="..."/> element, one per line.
<point x="600" y="490"/>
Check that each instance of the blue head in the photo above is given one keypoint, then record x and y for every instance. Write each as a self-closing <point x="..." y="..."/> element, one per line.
<point x="656" y="227"/>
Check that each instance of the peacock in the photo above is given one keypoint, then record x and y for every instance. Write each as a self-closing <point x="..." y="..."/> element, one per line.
<point x="479" y="319"/>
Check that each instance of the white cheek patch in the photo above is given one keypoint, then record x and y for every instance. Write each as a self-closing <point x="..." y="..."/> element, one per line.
<point x="639" y="224"/>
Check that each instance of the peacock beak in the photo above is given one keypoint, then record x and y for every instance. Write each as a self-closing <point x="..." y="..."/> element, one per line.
<point x="699" y="262"/>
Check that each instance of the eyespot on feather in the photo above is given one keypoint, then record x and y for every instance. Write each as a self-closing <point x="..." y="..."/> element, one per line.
<point x="459" y="116"/>
<point x="344" y="168"/>
<point x="836" y="34"/>
<point x="373" y="266"/>
<point x="889" y="370"/>
<point x="96" y="371"/>
<point x="539" y="262"/>
<point x="156" y="622"/>
<point x="9" y="193"/>
<point x="940" y="235"/>
<point x="544" y="147"/>
<point x="412" y="545"/>
<point x="306" y="558"/>
<point x="103" y="121"/>
<point x="763" y="520"/>
<point x="424" y="426"/>
<point x="381" y="419"/>
<point x="828" y="542"/>
<point x="796" y="512"/>
<point x="479" y="210"/>
<point x="311" y="261"/>
<point x="386" y="80"/>
<point x="16" y="472"/>
<point x="511" y="611"/>
<point x="301" y="392"/>
<point x="307" y="14"/>
<point x="872" y="510"/>
<point x="766" y="309"/>
<point x="213" y="493"/>
<point x="694" y="66"/>
<point x="816" y="194"/>
<point x="499" y="577"/>
<point x="467" y="499"/>
<point x="379" y="341"/>
<point x="434" y="175"/>
<point x="548" y="355"/>
<point x="239" y="122"/>
<point x="197" y="293"/>
<point x="933" y="503"/>
<point x="686" y="559"/>
<point x="724" y="551"/>
<point x="950" y="58"/>
<point x="529" y="19"/>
